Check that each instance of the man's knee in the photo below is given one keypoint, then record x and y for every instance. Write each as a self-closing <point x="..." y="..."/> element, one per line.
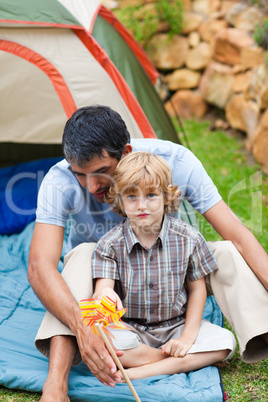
<point x="82" y="251"/>
<point x="77" y="271"/>
<point x="226" y="255"/>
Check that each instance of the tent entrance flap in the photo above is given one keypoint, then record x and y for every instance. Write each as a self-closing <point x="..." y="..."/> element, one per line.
<point x="13" y="153"/>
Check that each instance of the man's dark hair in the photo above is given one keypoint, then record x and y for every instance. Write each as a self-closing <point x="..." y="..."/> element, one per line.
<point x="90" y="131"/>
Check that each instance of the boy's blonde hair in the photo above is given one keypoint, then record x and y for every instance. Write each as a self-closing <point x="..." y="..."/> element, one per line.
<point x="142" y="170"/>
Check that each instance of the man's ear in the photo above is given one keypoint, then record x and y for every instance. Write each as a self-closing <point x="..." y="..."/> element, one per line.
<point x="127" y="150"/>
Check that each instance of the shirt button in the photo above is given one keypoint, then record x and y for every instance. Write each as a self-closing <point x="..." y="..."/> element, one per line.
<point x="151" y="285"/>
<point x="151" y="311"/>
<point x="151" y="258"/>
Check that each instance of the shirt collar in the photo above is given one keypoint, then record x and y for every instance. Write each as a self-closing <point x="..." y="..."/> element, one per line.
<point x="131" y="239"/>
<point x="164" y="230"/>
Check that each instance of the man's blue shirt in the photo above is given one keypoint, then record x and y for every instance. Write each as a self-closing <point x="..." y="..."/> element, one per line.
<point x="61" y="198"/>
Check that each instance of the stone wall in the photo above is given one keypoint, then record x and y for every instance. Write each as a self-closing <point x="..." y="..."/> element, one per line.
<point x="215" y="62"/>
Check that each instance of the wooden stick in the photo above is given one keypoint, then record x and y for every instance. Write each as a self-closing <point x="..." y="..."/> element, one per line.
<point x="117" y="361"/>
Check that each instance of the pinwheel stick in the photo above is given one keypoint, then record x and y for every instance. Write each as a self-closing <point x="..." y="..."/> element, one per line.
<point x="117" y="361"/>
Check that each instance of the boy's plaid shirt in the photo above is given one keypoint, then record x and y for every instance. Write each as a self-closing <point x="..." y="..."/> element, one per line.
<point x="151" y="283"/>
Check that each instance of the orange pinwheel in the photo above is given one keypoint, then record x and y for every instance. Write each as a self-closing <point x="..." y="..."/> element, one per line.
<point x="102" y="311"/>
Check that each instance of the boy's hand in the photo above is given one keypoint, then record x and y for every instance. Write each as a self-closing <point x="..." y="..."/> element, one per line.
<point x="177" y="347"/>
<point x="109" y="292"/>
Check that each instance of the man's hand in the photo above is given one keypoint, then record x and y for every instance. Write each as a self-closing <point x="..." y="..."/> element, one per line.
<point x="95" y="355"/>
<point x="177" y="347"/>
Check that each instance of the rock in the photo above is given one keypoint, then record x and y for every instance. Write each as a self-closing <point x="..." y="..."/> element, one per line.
<point x="209" y="28"/>
<point x="227" y="4"/>
<point x="252" y="56"/>
<point x="110" y="4"/>
<point x="234" y="12"/>
<point x="182" y="79"/>
<point x="216" y="84"/>
<point x="167" y="53"/>
<point x="201" y="6"/>
<point x="260" y="142"/>
<point x="191" y="22"/>
<point x="214" y="5"/>
<point x="193" y="39"/>
<point x="186" y="5"/>
<point x="243" y="115"/>
<point x="257" y="84"/>
<point x="229" y="44"/>
<point x="187" y="104"/>
<point x="205" y="6"/>
<point x="241" y="82"/>
<point x="248" y="19"/>
<point x="148" y="10"/>
<point x="219" y="124"/>
<point x="253" y="83"/>
<point x="133" y="3"/>
<point x="199" y="57"/>
<point x="238" y="68"/>
<point x="162" y="26"/>
<point x="264" y="98"/>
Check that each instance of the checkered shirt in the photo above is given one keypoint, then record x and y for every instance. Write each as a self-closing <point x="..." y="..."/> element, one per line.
<point x="151" y="282"/>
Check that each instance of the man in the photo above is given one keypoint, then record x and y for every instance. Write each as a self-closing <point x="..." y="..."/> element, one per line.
<point x="95" y="138"/>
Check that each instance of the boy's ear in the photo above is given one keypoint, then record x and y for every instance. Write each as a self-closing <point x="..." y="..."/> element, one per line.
<point x="127" y="150"/>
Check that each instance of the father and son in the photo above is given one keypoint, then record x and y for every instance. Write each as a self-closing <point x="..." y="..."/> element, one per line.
<point x="123" y="195"/>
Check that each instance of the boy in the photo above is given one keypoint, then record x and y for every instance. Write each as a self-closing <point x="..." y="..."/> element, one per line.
<point x="156" y="265"/>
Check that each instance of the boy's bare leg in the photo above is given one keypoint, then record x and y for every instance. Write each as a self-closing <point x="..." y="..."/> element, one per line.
<point x="62" y="351"/>
<point x="141" y="355"/>
<point x="173" y="365"/>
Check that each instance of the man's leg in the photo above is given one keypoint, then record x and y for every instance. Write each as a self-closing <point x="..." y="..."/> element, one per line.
<point x="62" y="351"/>
<point x="54" y="339"/>
<point x="242" y="299"/>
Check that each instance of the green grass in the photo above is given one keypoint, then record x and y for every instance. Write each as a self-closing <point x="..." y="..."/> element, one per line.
<point x="242" y="185"/>
<point x="17" y="396"/>
<point x="245" y="382"/>
<point x="245" y="189"/>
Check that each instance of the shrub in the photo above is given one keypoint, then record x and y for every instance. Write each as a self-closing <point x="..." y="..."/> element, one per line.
<point x="260" y="34"/>
<point x="171" y="12"/>
<point x="143" y="25"/>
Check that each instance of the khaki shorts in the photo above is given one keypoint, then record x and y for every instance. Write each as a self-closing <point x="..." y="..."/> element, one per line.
<point x="210" y="337"/>
<point x="240" y="295"/>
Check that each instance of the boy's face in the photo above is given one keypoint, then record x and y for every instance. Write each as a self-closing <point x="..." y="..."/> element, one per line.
<point x="144" y="208"/>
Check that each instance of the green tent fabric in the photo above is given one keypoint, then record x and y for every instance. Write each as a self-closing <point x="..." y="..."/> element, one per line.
<point x="38" y="11"/>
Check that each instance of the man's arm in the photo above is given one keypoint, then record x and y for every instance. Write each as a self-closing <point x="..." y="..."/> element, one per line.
<point x="229" y="227"/>
<point x="55" y="295"/>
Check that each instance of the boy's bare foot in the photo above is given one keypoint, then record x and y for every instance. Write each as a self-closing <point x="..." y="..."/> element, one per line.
<point x="54" y="393"/>
<point x="120" y="376"/>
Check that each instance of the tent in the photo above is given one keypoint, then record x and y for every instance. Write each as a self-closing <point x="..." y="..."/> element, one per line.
<point x="59" y="55"/>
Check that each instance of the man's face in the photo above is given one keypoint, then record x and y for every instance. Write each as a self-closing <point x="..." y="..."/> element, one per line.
<point x="96" y="175"/>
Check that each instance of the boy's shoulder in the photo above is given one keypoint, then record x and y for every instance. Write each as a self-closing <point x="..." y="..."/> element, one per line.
<point x="183" y="229"/>
<point x="113" y="235"/>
